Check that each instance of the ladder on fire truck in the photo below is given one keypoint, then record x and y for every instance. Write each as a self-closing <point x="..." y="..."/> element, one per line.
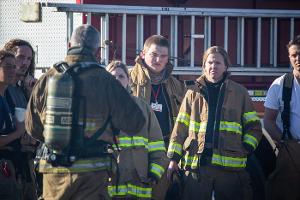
<point x="207" y="15"/>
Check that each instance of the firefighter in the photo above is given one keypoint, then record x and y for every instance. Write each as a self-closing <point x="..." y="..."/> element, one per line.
<point x="17" y="95"/>
<point x="216" y="129"/>
<point x="142" y="159"/>
<point x="151" y="80"/>
<point x="69" y="109"/>
<point x="10" y="132"/>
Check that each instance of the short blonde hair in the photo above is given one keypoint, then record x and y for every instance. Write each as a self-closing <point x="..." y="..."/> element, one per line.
<point x="216" y="49"/>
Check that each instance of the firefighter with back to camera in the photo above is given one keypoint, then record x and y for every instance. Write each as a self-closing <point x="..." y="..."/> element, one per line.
<point x="69" y="110"/>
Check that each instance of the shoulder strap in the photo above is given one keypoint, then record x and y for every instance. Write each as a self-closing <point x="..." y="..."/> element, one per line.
<point x="98" y="132"/>
<point x="286" y="98"/>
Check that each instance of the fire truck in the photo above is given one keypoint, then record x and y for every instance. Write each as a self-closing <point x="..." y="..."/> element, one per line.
<point x="254" y="33"/>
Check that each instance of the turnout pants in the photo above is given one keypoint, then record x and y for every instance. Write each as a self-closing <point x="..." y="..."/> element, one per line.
<point x="75" y="186"/>
<point x="220" y="183"/>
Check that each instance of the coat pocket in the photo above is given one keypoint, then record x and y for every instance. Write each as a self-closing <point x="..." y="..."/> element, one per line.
<point x="232" y="143"/>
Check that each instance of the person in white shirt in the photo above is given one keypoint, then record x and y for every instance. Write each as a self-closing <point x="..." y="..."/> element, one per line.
<point x="283" y="183"/>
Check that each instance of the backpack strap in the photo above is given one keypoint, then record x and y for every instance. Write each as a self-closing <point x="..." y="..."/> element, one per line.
<point x="98" y="133"/>
<point x="286" y="98"/>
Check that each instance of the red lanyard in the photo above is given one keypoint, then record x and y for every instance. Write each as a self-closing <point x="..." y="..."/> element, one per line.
<point x="155" y="94"/>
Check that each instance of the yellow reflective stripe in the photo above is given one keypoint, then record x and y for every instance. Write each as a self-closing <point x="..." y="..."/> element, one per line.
<point x="250" y="117"/>
<point x="190" y="161"/>
<point x="134" y="141"/>
<point x="197" y="126"/>
<point x="139" y="191"/>
<point x="230" y="127"/>
<point x="175" y="148"/>
<point x="87" y="165"/>
<point x="156" y="146"/>
<point x="134" y="190"/>
<point x="138" y="141"/>
<point x="157" y="169"/>
<point x="249" y="139"/>
<point x="112" y="190"/>
<point x="183" y="118"/>
<point x="226" y="161"/>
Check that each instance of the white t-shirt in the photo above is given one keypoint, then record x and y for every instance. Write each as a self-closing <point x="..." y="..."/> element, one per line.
<point x="274" y="101"/>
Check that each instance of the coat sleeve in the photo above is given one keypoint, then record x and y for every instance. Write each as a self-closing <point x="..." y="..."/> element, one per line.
<point x="125" y="113"/>
<point x="252" y="131"/>
<point x="157" y="151"/>
<point x="181" y="128"/>
<point x="37" y="102"/>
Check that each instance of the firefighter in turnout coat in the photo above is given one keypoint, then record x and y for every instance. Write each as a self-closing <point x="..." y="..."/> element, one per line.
<point x="151" y="79"/>
<point x="142" y="158"/>
<point x="215" y="131"/>
<point x="105" y="98"/>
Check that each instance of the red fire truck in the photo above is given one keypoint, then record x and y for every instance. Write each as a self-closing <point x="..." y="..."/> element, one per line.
<point x="254" y="33"/>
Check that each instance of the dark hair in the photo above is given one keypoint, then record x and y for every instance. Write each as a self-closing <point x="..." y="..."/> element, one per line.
<point x="117" y="64"/>
<point x="295" y="41"/>
<point x="157" y="40"/>
<point x="6" y="54"/>
<point x="216" y="49"/>
<point x="12" y="46"/>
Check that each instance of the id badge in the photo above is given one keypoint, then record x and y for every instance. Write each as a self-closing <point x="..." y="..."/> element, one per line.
<point x="156" y="107"/>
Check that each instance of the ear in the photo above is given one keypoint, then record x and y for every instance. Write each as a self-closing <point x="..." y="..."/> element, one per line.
<point x="142" y="54"/>
<point x="97" y="53"/>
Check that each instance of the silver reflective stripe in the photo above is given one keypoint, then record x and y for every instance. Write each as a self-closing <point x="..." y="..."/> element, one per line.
<point x="78" y="166"/>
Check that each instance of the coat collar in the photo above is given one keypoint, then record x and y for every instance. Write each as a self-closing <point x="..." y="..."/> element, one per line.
<point x="200" y="81"/>
<point x="140" y="73"/>
<point x="79" y="54"/>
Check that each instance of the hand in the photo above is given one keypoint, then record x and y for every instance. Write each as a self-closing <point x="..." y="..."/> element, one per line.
<point x="173" y="167"/>
<point x="27" y="140"/>
<point x="29" y="82"/>
<point x="20" y="129"/>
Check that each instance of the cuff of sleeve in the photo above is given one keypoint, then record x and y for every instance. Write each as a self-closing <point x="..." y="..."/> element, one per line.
<point x="174" y="157"/>
<point x="248" y="147"/>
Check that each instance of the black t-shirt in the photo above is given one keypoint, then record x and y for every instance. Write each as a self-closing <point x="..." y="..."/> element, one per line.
<point x="7" y="124"/>
<point x="158" y="95"/>
<point x="6" y="121"/>
<point x="213" y="90"/>
<point x="213" y="94"/>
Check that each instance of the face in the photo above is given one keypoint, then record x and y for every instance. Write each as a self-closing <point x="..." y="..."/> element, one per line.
<point x="23" y="59"/>
<point x="156" y="58"/>
<point x="120" y="76"/>
<point x="214" y="67"/>
<point x="294" y="55"/>
<point x="7" y="70"/>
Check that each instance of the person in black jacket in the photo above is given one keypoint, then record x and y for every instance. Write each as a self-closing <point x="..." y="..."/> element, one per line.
<point x="10" y="131"/>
